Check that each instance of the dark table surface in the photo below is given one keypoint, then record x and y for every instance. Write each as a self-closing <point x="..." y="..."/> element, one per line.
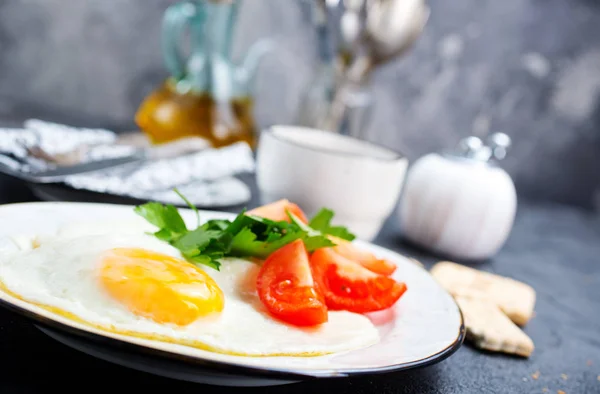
<point x="554" y="248"/>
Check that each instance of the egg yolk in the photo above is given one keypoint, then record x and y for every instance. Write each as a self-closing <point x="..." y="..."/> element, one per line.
<point x="159" y="287"/>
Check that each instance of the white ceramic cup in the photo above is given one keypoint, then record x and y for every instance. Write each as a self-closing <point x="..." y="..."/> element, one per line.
<point x="360" y="181"/>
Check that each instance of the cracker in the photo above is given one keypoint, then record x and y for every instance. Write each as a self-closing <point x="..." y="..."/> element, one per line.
<point x="516" y="299"/>
<point x="490" y="329"/>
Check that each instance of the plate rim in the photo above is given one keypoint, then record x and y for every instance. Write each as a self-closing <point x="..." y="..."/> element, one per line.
<point x="224" y="366"/>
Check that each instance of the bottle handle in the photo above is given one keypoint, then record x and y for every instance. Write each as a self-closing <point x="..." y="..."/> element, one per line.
<point x="176" y="20"/>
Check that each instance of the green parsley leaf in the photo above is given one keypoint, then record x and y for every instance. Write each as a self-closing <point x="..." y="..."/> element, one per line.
<point x="245" y="236"/>
<point x="165" y="217"/>
<point x="298" y="222"/>
<point x="317" y="242"/>
<point x="166" y="234"/>
<point x="245" y="244"/>
<point x="272" y="237"/>
<point x="340" y="232"/>
<point x="238" y="223"/>
<point x="208" y="260"/>
<point x="216" y="224"/>
<point x="261" y="227"/>
<point x="209" y="254"/>
<point x="322" y="222"/>
<point x="189" y="204"/>
<point x="194" y="245"/>
<point x="198" y="240"/>
<point x="322" y="219"/>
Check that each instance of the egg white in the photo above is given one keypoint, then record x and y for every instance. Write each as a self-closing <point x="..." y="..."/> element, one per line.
<point x="59" y="274"/>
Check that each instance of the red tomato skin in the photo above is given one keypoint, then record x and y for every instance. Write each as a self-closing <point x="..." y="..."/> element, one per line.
<point x="363" y="257"/>
<point x="346" y="285"/>
<point x="286" y="287"/>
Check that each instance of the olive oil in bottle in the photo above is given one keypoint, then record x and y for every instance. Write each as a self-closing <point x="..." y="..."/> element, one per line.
<point x="167" y="115"/>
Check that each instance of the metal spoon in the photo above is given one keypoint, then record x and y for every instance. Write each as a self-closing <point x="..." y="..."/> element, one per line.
<point x="392" y="27"/>
<point x="352" y="23"/>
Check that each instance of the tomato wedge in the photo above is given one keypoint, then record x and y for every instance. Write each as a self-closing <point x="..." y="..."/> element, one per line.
<point x="285" y="286"/>
<point x="347" y="285"/>
<point x="363" y="257"/>
<point x="277" y="211"/>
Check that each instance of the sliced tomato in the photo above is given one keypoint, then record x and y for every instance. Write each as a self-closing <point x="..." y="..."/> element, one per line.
<point x="347" y="285"/>
<point x="286" y="287"/>
<point x="363" y="257"/>
<point x="277" y="211"/>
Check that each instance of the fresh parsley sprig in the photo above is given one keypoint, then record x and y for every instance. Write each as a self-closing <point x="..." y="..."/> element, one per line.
<point x="246" y="236"/>
<point x="322" y="222"/>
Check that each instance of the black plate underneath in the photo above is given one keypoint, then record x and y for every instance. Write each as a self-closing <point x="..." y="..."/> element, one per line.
<point x="163" y="366"/>
<point x="193" y="369"/>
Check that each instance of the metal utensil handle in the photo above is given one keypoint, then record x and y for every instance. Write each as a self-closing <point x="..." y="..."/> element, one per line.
<point x="60" y="174"/>
<point x="355" y="75"/>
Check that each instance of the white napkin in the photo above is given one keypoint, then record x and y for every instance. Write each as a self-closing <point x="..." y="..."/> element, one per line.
<point x="205" y="177"/>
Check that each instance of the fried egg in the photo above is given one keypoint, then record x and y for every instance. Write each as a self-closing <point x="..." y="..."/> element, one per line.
<point x="122" y="280"/>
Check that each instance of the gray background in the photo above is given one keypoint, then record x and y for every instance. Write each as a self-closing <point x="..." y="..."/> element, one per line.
<point x="530" y="68"/>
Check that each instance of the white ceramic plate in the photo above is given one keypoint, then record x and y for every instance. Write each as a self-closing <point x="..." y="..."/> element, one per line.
<point x="425" y="326"/>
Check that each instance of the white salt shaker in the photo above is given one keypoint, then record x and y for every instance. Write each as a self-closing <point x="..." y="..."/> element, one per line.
<point x="460" y="204"/>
